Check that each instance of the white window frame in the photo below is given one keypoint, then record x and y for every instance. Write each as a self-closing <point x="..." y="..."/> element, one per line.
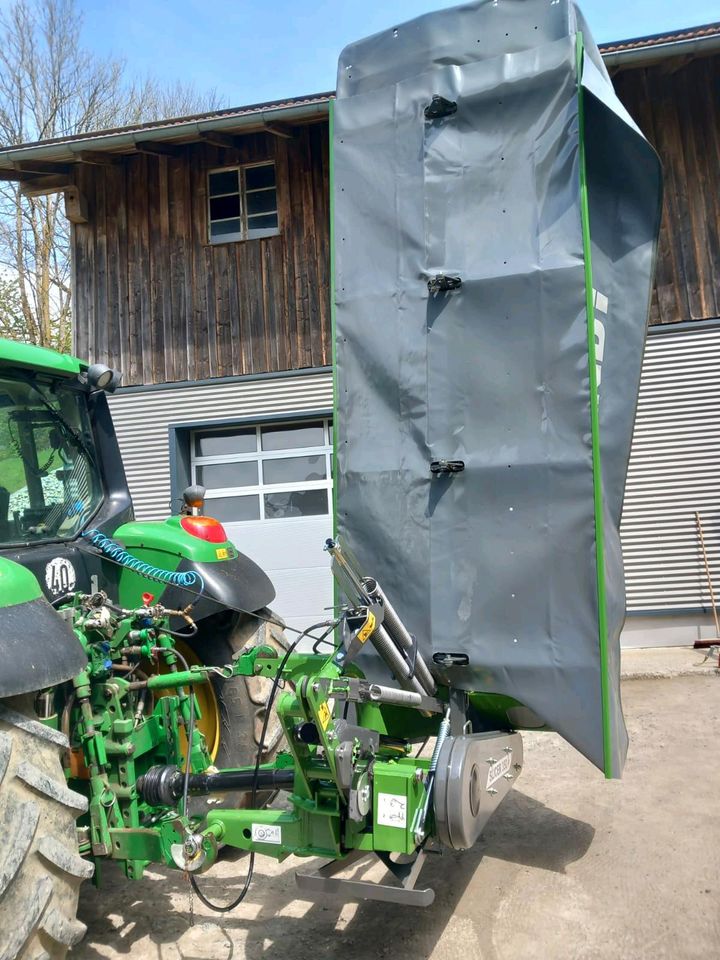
<point x="260" y="455"/>
<point x="242" y="192"/>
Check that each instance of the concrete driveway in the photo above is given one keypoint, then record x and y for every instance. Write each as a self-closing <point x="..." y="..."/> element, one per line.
<point x="571" y="866"/>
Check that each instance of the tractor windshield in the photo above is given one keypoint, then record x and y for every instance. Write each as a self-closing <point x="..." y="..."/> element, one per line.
<point x="49" y="480"/>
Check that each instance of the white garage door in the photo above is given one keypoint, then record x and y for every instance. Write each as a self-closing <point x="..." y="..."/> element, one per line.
<point x="271" y="487"/>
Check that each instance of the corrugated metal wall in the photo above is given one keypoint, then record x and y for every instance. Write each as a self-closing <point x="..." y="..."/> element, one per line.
<point x="674" y="471"/>
<point x="142" y="420"/>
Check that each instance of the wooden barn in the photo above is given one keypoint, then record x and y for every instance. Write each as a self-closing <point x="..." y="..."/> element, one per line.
<point x="201" y="269"/>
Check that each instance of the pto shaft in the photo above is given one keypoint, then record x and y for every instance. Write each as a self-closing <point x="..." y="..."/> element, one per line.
<point x="163" y="786"/>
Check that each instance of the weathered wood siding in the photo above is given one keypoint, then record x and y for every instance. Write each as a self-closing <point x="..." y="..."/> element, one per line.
<point x="155" y="299"/>
<point x="677" y="105"/>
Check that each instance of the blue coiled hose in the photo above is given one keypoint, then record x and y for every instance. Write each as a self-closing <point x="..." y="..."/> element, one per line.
<point x="118" y="554"/>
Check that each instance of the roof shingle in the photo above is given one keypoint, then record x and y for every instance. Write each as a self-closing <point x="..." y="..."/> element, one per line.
<point x="658" y="39"/>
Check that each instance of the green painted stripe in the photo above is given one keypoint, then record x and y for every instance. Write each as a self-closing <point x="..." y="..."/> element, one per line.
<point x="595" y="431"/>
<point x="333" y="264"/>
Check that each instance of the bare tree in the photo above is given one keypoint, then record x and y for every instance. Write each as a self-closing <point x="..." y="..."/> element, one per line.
<point x="152" y="99"/>
<point x="12" y="323"/>
<point x="51" y="86"/>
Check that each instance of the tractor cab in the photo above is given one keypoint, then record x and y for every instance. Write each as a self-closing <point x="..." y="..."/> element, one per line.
<point x="60" y="466"/>
<point x="64" y="500"/>
<point x="50" y="482"/>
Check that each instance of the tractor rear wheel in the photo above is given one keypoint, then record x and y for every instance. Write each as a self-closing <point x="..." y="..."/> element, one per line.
<point x="40" y="869"/>
<point x="238" y="704"/>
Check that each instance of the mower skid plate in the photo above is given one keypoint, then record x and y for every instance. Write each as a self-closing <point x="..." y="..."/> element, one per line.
<point x="323" y="882"/>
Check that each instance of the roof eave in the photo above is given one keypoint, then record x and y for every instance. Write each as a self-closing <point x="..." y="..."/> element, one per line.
<point x="654" y="53"/>
<point x="66" y="149"/>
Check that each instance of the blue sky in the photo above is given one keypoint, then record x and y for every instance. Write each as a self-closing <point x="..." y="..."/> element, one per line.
<point x="252" y="51"/>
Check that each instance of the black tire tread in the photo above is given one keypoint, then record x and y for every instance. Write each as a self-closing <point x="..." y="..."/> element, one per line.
<point x="20" y="823"/>
<point x="67" y="860"/>
<point x="238" y="699"/>
<point x="42" y="783"/>
<point x="36" y="729"/>
<point x="238" y="702"/>
<point x="41" y="871"/>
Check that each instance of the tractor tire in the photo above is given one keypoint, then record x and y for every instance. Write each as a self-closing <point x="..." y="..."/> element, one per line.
<point x="40" y="869"/>
<point x="241" y="701"/>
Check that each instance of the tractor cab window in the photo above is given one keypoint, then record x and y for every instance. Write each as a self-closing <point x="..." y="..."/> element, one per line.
<point x="49" y="480"/>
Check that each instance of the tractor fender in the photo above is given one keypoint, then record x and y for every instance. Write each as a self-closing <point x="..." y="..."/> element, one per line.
<point x="226" y="579"/>
<point x="235" y="584"/>
<point x="38" y="648"/>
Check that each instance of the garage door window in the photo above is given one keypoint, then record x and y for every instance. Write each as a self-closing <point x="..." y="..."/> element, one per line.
<point x="268" y="472"/>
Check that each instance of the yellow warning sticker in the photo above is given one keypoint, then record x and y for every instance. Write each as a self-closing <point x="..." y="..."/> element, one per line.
<point x="324" y="715"/>
<point x="222" y="553"/>
<point x="367" y="628"/>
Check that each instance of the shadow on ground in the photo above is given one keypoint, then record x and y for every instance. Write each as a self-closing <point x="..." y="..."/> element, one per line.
<point x="156" y="909"/>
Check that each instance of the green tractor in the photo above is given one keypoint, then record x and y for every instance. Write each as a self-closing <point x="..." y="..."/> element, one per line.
<point x="63" y="498"/>
<point x="61" y="477"/>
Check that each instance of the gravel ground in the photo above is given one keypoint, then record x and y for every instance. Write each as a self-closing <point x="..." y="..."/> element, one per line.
<point x="571" y="866"/>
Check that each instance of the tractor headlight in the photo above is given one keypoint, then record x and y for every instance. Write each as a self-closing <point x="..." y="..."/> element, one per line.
<point x="102" y="377"/>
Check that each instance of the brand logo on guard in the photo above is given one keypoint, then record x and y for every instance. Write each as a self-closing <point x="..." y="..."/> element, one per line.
<point x="600" y="304"/>
<point x="60" y="576"/>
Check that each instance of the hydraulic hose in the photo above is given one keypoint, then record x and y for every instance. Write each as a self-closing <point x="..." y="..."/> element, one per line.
<point x="118" y="554"/>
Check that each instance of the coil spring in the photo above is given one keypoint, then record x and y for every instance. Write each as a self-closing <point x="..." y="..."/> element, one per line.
<point x="118" y="554"/>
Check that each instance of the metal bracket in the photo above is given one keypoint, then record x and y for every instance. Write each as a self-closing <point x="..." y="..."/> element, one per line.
<point x="323" y="881"/>
<point x="358" y="626"/>
<point x="451" y="659"/>
<point x="440" y="468"/>
<point x="458" y="700"/>
<point x="352" y="739"/>
<point x="440" y="107"/>
<point x="442" y="283"/>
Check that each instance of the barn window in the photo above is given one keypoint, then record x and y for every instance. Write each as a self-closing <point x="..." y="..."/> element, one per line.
<point x="242" y="203"/>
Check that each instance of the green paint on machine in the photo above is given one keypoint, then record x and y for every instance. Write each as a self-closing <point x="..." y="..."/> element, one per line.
<point x="169" y="538"/>
<point x="608" y="768"/>
<point x="25" y="355"/>
<point x="163" y="545"/>
<point x="17" y="584"/>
